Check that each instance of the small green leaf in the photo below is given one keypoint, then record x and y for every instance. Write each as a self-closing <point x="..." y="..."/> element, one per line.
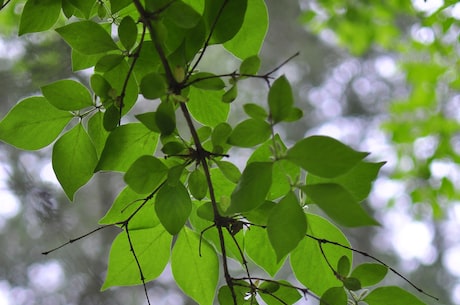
<point x="285" y="294"/>
<point x="391" y="295"/>
<point x="251" y="190"/>
<point x="369" y="274"/>
<point x="96" y="131"/>
<point x="230" y="170"/>
<point x="250" y="65"/>
<point x="280" y="99"/>
<point x="173" y="148"/>
<point x="197" y="184"/>
<point x="343" y="266"/>
<point x="117" y="5"/>
<point x="197" y="275"/>
<point x="165" y="118"/>
<point x="68" y="95"/>
<point x="149" y="121"/>
<point x="220" y="134"/>
<point x="125" y="145"/>
<point x="339" y="204"/>
<point x="146" y="174"/>
<point x="33" y="123"/>
<point x="324" y="156"/>
<point x="83" y="6"/>
<point x="153" y="86"/>
<point x="206" y="81"/>
<point x="352" y="283"/>
<point x="334" y="296"/>
<point x="127" y="32"/>
<point x="74" y="159"/>
<point x="286" y="225"/>
<point x="111" y="118"/>
<point x="249" y="133"/>
<point x="231" y="94"/>
<point x="100" y="86"/>
<point x="269" y="287"/>
<point x="87" y="37"/>
<point x="173" y="206"/>
<point x="108" y="62"/>
<point x="207" y="107"/>
<point x="151" y="247"/>
<point x="39" y="15"/>
<point x="225" y="296"/>
<point x="255" y="111"/>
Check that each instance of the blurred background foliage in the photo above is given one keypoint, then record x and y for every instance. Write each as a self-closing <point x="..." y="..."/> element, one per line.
<point x="382" y="76"/>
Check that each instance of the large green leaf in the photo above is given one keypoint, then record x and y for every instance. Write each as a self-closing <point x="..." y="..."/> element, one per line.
<point x="251" y="190"/>
<point x="286" y="225"/>
<point x="83" y="6"/>
<point x="206" y="106"/>
<point x="151" y="247"/>
<point x="224" y="17"/>
<point x="87" y="37"/>
<point x="307" y="261"/>
<point x="124" y="145"/>
<point x="173" y="206"/>
<point x="197" y="275"/>
<point x="33" y="123"/>
<point x="127" y="32"/>
<point x="249" y="133"/>
<point x="280" y="99"/>
<point x="146" y="174"/>
<point x="391" y="295"/>
<point x="39" y="15"/>
<point x="67" y="94"/>
<point x="74" y="159"/>
<point x="339" y="204"/>
<point x="369" y="274"/>
<point x="324" y="156"/>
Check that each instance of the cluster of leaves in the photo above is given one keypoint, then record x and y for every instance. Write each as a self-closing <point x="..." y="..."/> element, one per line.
<point x="260" y="215"/>
<point x="431" y="71"/>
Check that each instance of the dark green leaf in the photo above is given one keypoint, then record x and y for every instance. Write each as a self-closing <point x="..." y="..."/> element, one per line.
<point x="148" y="119"/>
<point x="206" y="81"/>
<point x="68" y="95"/>
<point x="339" y="204"/>
<point x="252" y="188"/>
<point x="286" y="225"/>
<point x="127" y="32"/>
<point x="285" y="294"/>
<point x="250" y="65"/>
<point x="165" y="118"/>
<point x="369" y="274"/>
<point x="182" y="15"/>
<point x="324" y="156"/>
<point x="173" y="206"/>
<point x="74" y="159"/>
<point x="231" y="94"/>
<point x="39" y="15"/>
<point x="230" y="170"/>
<point x="225" y="295"/>
<point x="269" y="287"/>
<point x="33" y="123"/>
<point x="111" y="118"/>
<point x="173" y="148"/>
<point x="146" y="174"/>
<point x="97" y="132"/>
<point x="197" y="275"/>
<point x="391" y="295"/>
<point x="230" y="20"/>
<point x="249" y="133"/>
<point x="117" y="5"/>
<point x="84" y="6"/>
<point x="352" y="283"/>
<point x="343" y="266"/>
<point x="220" y="134"/>
<point x="255" y="111"/>
<point x="334" y="296"/>
<point x="100" y="86"/>
<point x="87" y="37"/>
<point x="197" y="184"/>
<point x="108" y="62"/>
<point x="153" y="85"/>
<point x="280" y="100"/>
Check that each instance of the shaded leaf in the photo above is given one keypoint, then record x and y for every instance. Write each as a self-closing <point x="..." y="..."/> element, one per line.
<point x="280" y="99"/>
<point x="288" y="295"/>
<point x="197" y="184"/>
<point x="228" y="22"/>
<point x="145" y="174"/>
<point x="127" y="32"/>
<point x="369" y="274"/>
<point x="153" y="85"/>
<point x="334" y="296"/>
<point x="173" y="206"/>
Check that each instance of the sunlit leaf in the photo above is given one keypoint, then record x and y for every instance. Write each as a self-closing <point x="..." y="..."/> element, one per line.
<point x="67" y="94"/>
<point x="369" y="274"/>
<point x="391" y="294"/>
<point x="39" y="15"/>
<point x="173" y="206"/>
<point x="280" y="99"/>
<point x="145" y="174"/>
<point x="250" y="133"/>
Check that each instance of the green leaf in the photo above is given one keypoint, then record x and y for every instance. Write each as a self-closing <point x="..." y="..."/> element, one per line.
<point x="255" y="111"/>
<point x="249" y="133"/>
<point x="391" y="295"/>
<point x="285" y="292"/>
<point x="96" y="132"/>
<point x="165" y="118"/>
<point x="220" y="134"/>
<point x="182" y="15"/>
<point x="339" y="204"/>
<point x="111" y="118"/>
<point x="231" y="94"/>
<point x="127" y="32"/>
<point x="74" y="159"/>
<point x="343" y="266"/>
<point x="108" y="62"/>
<point x="228" y="22"/>
<point x="151" y="247"/>
<point x="197" y="184"/>
<point x="324" y="156"/>
<point x="148" y="119"/>
<point x="68" y="95"/>
<point x="280" y="99"/>
<point x="173" y="206"/>
<point x="100" y="86"/>
<point x="33" y="123"/>
<point x="352" y="283"/>
<point x="230" y="170"/>
<point x="197" y="275"/>
<point x="286" y="225"/>
<point x="334" y="296"/>
<point x="117" y="5"/>
<point x="241" y="291"/>
<point x="146" y="174"/>
<point x="39" y="15"/>
<point x="250" y="65"/>
<point x="369" y="274"/>
<point x="248" y="41"/>
<point x="251" y="190"/>
<point x="307" y="261"/>
<point x="206" y="81"/>
<point x="153" y="86"/>
<point x="83" y="6"/>
<point x="87" y="37"/>
<point x="206" y="106"/>
<point x="125" y="145"/>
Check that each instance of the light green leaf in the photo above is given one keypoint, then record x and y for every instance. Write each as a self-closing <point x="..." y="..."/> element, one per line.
<point x="220" y="134"/>
<point x="339" y="204"/>
<point x="197" y="275"/>
<point x="255" y="111"/>
<point x="250" y="65"/>
<point x="230" y="170"/>
<point x="152" y="248"/>
<point x="369" y="274"/>
<point x="173" y="207"/>
<point x="68" y="95"/>
<point x="334" y="296"/>
<point x="249" y="133"/>
<point x="206" y="106"/>
<point x="87" y="37"/>
<point x="96" y="132"/>
<point x="33" y="123"/>
<point x="391" y="295"/>
<point x="280" y="99"/>
<point x="153" y="85"/>
<point x="231" y="94"/>
<point x="145" y="174"/>
<point x="307" y="261"/>
<point x="74" y="158"/>
<point x="324" y="156"/>
<point x="248" y="41"/>
<point x="251" y="190"/>
<point x="127" y="32"/>
<point x="124" y="145"/>
<point x="286" y="225"/>
<point x="39" y="15"/>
